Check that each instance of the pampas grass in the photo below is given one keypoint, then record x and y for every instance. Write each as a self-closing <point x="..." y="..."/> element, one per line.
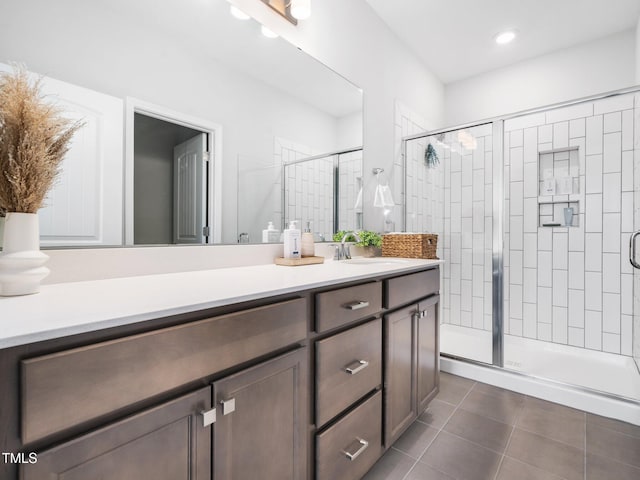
<point x="34" y="138"/>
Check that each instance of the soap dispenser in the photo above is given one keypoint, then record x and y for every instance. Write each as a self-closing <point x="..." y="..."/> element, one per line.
<point x="308" y="247"/>
<point x="292" y="241"/>
<point x="270" y="234"/>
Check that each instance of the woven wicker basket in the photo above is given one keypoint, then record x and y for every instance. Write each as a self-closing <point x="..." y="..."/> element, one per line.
<point x="410" y="245"/>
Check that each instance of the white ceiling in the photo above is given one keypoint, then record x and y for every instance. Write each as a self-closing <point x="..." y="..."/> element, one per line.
<point x="454" y="38"/>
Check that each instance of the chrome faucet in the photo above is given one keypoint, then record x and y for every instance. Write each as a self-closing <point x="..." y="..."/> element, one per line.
<point x="342" y="251"/>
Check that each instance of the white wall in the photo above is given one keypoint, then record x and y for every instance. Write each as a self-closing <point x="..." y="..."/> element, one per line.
<point x="599" y="66"/>
<point x="350" y="38"/>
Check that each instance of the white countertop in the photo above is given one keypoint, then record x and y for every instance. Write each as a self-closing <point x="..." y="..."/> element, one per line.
<point x="78" y="307"/>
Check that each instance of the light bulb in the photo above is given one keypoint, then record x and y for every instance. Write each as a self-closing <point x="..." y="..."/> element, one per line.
<point x="505" y="37"/>
<point x="239" y="14"/>
<point x="268" y="33"/>
<point x="301" y="9"/>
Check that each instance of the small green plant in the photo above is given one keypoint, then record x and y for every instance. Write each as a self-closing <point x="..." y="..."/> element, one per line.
<point x="367" y="238"/>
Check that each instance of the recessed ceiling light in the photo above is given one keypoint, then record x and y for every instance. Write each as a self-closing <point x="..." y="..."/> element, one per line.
<point x="505" y="37"/>
<point x="239" y="14"/>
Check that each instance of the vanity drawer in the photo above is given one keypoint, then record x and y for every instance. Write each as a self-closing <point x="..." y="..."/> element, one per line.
<point x="348" y="366"/>
<point x="344" y="305"/>
<point x="348" y="449"/>
<point x="409" y="288"/>
<point x="65" y="389"/>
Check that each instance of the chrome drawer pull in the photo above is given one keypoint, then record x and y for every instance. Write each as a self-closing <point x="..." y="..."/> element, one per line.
<point x="356" y="305"/>
<point x="361" y="365"/>
<point x="363" y="446"/>
<point x="228" y="406"/>
<point x="208" y="417"/>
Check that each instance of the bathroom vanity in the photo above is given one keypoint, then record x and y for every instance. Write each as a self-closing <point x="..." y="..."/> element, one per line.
<point x="295" y="373"/>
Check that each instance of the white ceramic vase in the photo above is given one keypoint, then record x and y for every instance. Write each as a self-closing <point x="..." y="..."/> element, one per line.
<point x="21" y="261"/>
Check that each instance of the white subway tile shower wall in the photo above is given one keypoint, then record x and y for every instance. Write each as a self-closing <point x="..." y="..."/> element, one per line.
<point x="580" y="290"/>
<point x="308" y="187"/>
<point x="454" y="200"/>
<point x="408" y="122"/>
<point x="350" y="183"/>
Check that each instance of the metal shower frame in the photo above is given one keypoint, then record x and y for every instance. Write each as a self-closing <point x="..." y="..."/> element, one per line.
<point x="498" y="205"/>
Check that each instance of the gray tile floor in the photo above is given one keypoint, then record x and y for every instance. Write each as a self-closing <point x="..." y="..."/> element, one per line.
<point x="474" y="431"/>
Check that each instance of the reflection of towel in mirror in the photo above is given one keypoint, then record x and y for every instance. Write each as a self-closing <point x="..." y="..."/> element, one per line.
<point x="388" y="198"/>
<point x="383" y="197"/>
<point x="358" y="205"/>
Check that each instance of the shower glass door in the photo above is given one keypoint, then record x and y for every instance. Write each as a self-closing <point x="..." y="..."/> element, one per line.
<point x="449" y="191"/>
<point x="571" y="195"/>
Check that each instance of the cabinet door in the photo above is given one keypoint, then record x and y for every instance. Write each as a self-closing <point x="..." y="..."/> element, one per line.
<point x="399" y="400"/>
<point x="168" y="442"/>
<point x="260" y="431"/>
<point x="427" y="354"/>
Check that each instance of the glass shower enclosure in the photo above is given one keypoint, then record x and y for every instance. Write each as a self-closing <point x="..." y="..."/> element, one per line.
<point x="453" y="197"/>
<point x="535" y="214"/>
<point x="325" y="190"/>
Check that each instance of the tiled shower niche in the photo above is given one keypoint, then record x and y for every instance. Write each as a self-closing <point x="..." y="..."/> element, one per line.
<point x="559" y="179"/>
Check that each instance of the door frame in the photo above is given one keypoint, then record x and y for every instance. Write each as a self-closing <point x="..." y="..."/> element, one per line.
<point x="214" y="175"/>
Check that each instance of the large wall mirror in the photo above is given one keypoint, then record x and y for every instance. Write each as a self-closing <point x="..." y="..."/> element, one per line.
<point x="198" y="128"/>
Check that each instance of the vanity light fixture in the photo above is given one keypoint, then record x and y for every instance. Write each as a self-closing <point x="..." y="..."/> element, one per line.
<point x="300" y="9"/>
<point x="268" y="33"/>
<point x="239" y="14"/>
<point x="292" y="10"/>
<point x="505" y="37"/>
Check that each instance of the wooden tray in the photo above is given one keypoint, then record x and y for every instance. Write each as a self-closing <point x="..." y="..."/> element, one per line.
<point x="294" y="262"/>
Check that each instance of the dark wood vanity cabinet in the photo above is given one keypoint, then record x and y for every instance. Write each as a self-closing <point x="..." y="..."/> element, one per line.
<point x="313" y="387"/>
<point x="400" y="372"/>
<point x="251" y="415"/>
<point x="393" y="361"/>
<point x="261" y="425"/>
<point x="411" y="353"/>
<point x="167" y="442"/>
<point x="258" y="421"/>
<point x="427" y="352"/>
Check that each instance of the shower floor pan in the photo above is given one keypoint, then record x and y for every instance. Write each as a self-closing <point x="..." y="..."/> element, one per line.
<point x="600" y="371"/>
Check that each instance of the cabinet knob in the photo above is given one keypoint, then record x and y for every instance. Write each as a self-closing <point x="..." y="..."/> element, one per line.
<point x="356" y="367"/>
<point x="357" y="305"/>
<point x="228" y="406"/>
<point x="208" y="417"/>
<point x="363" y="444"/>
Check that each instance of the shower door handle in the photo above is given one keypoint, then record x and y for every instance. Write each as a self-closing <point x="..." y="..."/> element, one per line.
<point x="632" y="249"/>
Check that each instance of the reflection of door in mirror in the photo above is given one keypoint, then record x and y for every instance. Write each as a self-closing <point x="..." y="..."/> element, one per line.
<point x="170" y="182"/>
<point x="84" y="207"/>
<point x="190" y="190"/>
